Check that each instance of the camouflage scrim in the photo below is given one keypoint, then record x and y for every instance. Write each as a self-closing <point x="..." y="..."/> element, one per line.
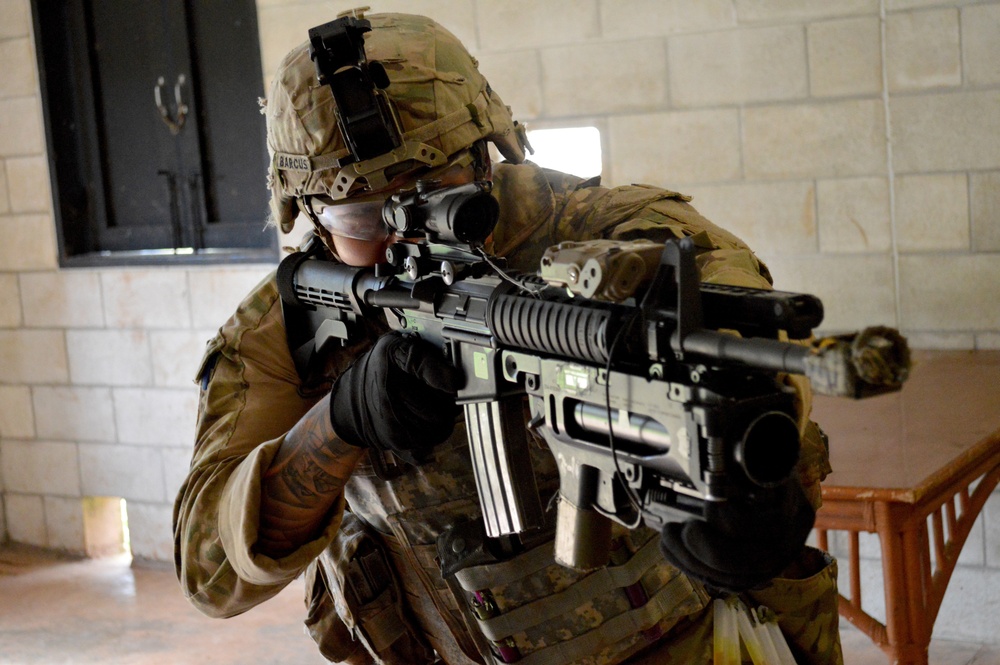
<point x="444" y="105"/>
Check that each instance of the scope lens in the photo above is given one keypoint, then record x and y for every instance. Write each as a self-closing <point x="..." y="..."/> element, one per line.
<point x="475" y="218"/>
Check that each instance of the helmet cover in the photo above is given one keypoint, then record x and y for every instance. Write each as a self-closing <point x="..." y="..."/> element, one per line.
<point x="442" y="104"/>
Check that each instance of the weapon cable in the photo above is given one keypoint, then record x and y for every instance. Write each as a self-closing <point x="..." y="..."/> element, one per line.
<point x="632" y="498"/>
<point x="534" y="290"/>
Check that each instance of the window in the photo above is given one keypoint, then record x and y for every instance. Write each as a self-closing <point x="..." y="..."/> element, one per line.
<point x="575" y="150"/>
<point x="156" y="144"/>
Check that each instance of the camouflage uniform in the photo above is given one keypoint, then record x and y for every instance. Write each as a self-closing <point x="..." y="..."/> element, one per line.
<point x="251" y="396"/>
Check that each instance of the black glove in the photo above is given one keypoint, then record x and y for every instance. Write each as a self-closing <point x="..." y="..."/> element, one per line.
<point x="399" y="396"/>
<point x="743" y="543"/>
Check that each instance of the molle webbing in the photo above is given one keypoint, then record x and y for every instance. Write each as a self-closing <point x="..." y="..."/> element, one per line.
<point x="629" y="623"/>
<point x="600" y="582"/>
<point x="491" y="575"/>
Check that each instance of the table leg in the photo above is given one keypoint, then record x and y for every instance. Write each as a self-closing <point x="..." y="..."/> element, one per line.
<point x="902" y="569"/>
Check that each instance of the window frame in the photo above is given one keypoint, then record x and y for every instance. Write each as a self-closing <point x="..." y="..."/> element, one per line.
<point x="76" y="159"/>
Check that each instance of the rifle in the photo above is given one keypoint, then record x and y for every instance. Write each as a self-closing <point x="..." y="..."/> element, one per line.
<point x="653" y="409"/>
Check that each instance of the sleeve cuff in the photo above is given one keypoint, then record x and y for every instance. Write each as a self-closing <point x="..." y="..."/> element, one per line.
<point x="239" y="523"/>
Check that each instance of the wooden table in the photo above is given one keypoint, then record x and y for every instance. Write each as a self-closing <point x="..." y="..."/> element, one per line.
<point x="916" y="468"/>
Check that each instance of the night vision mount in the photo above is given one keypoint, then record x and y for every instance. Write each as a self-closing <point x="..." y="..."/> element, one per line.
<point x="364" y="114"/>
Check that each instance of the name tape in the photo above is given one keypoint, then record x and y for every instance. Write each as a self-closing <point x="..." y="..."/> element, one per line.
<point x="289" y="162"/>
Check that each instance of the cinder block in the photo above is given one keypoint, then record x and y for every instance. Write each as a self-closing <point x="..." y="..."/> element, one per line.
<point x="17" y="420"/>
<point x="736" y="66"/>
<point x="669" y="149"/>
<point x="15" y="19"/>
<point x="823" y="139"/>
<point x="29" y="241"/>
<point x="25" y="519"/>
<point x="109" y="357"/>
<point x="774" y="218"/>
<point x="10" y="301"/>
<point x="151" y="531"/>
<point x="215" y="294"/>
<point x="28" y="181"/>
<point x="988" y="340"/>
<point x="854" y="215"/>
<point x="517" y="77"/>
<point x="283" y="27"/>
<point x="946" y="292"/>
<point x="845" y="57"/>
<point x="33" y="356"/>
<point x="946" y="131"/>
<point x="518" y="24"/>
<point x="932" y="212"/>
<point x="753" y="11"/>
<point x="857" y="290"/>
<point x="70" y="299"/>
<point x="64" y="526"/>
<point x="146" y="299"/>
<point x="21" y="127"/>
<point x="941" y="340"/>
<point x="980" y="45"/>
<point x="922" y="50"/>
<point x="984" y="189"/>
<point x="175" y="356"/>
<point x="903" y="5"/>
<point x="74" y="413"/>
<point x="604" y="78"/>
<point x="628" y="19"/>
<point x="4" y="199"/>
<point x="131" y="472"/>
<point x="20" y="77"/>
<point x="176" y="465"/>
<point x="154" y="416"/>
<point x="41" y="467"/>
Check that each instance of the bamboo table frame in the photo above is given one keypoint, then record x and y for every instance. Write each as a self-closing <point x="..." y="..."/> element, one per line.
<point x="916" y="468"/>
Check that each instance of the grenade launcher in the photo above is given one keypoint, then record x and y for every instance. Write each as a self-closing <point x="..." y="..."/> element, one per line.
<point x="658" y="395"/>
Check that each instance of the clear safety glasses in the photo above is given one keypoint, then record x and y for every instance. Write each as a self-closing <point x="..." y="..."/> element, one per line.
<point x="361" y="221"/>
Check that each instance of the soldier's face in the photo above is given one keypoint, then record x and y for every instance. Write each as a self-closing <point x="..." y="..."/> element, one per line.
<point x="362" y="253"/>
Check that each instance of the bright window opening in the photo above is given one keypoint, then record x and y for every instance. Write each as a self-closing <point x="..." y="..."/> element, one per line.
<point x="105" y="524"/>
<point x="575" y="150"/>
<point x="126" y="541"/>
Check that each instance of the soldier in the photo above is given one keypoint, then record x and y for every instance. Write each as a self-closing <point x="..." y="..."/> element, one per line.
<point x="281" y="481"/>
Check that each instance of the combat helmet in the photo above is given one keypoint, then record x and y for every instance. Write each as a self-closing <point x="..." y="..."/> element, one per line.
<point x="440" y="104"/>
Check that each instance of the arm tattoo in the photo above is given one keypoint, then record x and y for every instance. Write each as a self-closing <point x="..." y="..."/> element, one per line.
<point x="303" y="482"/>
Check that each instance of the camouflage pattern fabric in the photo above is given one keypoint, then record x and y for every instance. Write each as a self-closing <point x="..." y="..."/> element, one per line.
<point x="442" y="102"/>
<point x="252" y="396"/>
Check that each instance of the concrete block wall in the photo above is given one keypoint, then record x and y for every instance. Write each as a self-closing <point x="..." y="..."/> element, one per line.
<point x="96" y="366"/>
<point x="855" y="144"/>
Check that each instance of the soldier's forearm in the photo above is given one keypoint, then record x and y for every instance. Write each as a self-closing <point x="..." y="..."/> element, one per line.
<point x="303" y="482"/>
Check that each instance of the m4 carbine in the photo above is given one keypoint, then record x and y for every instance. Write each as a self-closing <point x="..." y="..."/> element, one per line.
<point x="657" y="395"/>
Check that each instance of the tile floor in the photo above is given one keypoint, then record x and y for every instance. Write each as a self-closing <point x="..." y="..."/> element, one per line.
<point x="106" y="612"/>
